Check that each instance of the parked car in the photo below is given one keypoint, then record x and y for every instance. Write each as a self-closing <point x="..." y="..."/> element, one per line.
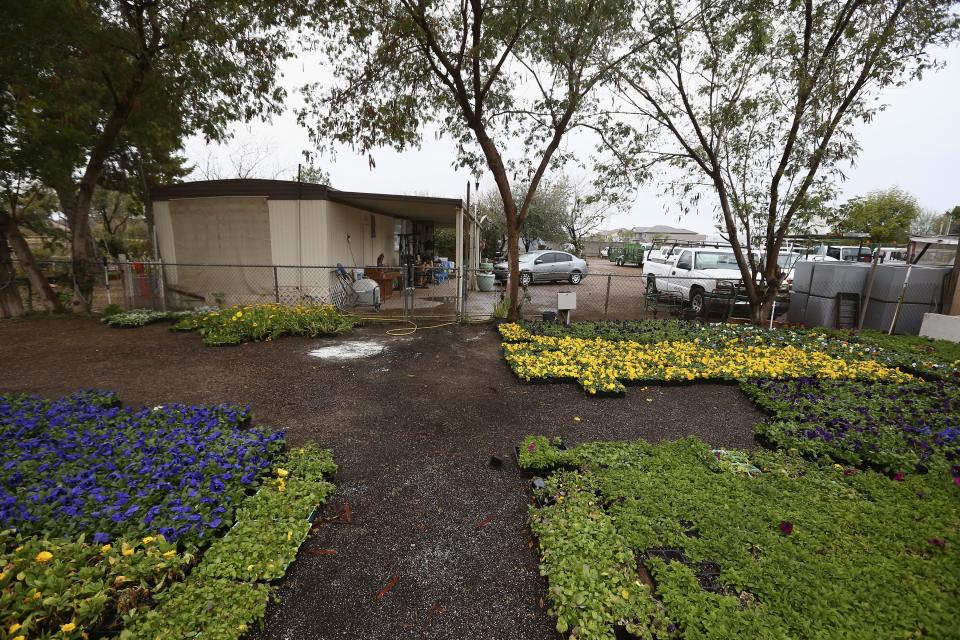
<point x="545" y="266"/>
<point x="696" y="273"/>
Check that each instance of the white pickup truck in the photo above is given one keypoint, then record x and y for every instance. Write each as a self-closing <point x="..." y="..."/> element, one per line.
<point x="692" y="272"/>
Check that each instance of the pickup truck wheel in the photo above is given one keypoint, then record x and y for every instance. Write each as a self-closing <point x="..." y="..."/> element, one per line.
<point x="525" y="279"/>
<point x="698" y="301"/>
<point x="576" y="277"/>
<point x="651" y="285"/>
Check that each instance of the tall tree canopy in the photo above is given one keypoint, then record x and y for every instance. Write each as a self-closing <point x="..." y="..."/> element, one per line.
<point x="886" y="215"/>
<point x="756" y="103"/>
<point x="487" y="74"/>
<point x="85" y="76"/>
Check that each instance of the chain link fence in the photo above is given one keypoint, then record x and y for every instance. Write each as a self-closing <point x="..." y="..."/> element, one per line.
<point x="615" y="293"/>
<point x="605" y="292"/>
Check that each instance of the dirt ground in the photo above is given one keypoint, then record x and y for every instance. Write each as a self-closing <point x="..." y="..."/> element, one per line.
<point x="413" y="429"/>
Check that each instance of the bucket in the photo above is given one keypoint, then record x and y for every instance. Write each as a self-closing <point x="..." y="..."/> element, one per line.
<point x="549" y="316"/>
<point x="485" y="281"/>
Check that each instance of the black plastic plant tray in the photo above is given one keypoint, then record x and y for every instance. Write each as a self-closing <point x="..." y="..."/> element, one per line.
<point x="620" y="633"/>
<point x="666" y="554"/>
<point x="689" y="529"/>
<point x="541" y="471"/>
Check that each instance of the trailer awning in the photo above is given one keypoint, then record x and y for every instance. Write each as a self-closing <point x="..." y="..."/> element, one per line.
<point x="440" y="211"/>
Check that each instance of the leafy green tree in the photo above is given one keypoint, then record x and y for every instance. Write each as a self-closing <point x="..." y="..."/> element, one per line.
<point x="485" y="73"/>
<point x="756" y="104"/>
<point x="547" y="213"/>
<point x="99" y="71"/>
<point x="493" y="229"/>
<point x="885" y="214"/>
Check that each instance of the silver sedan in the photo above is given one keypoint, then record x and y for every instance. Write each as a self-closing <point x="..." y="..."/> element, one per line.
<point x="546" y="266"/>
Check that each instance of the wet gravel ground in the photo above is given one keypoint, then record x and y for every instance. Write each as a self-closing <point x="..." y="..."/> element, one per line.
<point x="413" y="429"/>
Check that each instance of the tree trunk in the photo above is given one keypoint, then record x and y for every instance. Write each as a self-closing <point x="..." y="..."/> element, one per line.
<point x="11" y="305"/>
<point x="762" y="306"/>
<point x="29" y="264"/>
<point x="513" y="267"/>
<point x="83" y="250"/>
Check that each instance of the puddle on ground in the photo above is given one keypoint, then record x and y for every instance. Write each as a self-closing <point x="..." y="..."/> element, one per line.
<point x="349" y="350"/>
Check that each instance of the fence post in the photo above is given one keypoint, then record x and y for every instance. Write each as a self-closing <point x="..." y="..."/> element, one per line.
<point x="163" y="288"/>
<point x="606" y="301"/>
<point x="125" y="280"/>
<point x="106" y="281"/>
<point x="276" y="286"/>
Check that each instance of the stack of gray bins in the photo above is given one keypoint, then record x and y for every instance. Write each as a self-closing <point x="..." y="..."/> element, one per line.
<point x="814" y="301"/>
<point x="922" y="295"/>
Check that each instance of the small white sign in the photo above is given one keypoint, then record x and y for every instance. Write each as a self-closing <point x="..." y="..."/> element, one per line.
<point x="566" y="301"/>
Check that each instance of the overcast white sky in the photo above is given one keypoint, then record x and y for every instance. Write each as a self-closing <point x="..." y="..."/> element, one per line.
<point x="914" y="143"/>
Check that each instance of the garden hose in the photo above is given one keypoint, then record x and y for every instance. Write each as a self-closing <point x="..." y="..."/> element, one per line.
<point x="414" y="327"/>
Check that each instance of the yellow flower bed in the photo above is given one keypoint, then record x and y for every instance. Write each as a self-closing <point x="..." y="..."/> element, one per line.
<point x="600" y="365"/>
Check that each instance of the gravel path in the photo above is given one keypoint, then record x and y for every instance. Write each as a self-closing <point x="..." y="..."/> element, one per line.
<point x="413" y="427"/>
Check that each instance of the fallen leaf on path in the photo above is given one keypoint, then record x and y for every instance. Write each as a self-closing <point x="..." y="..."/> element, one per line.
<point x="390" y="585"/>
<point x="485" y="522"/>
<point x="322" y="552"/>
<point x="576" y="418"/>
<point x="438" y="608"/>
<point x="541" y="603"/>
<point x="345" y="515"/>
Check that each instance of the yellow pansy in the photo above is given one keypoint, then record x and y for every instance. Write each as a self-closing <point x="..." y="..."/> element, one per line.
<point x="148" y="539"/>
<point x="44" y="556"/>
<point x="12" y="629"/>
<point x="106" y="548"/>
<point x="170" y="554"/>
<point x="128" y="551"/>
<point x="67" y="628"/>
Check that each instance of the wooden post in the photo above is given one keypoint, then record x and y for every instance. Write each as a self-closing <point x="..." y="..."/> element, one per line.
<point x="952" y="304"/>
<point x="903" y="291"/>
<point x="869" y="289"/>
<point x="276" y="286"/>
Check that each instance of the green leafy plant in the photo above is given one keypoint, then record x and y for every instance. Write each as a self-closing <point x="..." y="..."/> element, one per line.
<point x="792" y="549"/>
<point x="501" y="307"/>
<point x="142" y="317"/>
<point x="66" y="587"/>
<point x="202" y="607"/>
<point x="254" y="323"/>
<point x="111" y="310"/>
<point x="255" y="550"/>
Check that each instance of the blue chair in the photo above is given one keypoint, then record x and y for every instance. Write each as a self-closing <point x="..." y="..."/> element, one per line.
<point x="442" y="272"/>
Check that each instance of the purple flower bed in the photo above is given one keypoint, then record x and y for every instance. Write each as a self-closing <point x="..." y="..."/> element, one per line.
<point x="84" y="464"/>
<point x="895" y="427"/>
